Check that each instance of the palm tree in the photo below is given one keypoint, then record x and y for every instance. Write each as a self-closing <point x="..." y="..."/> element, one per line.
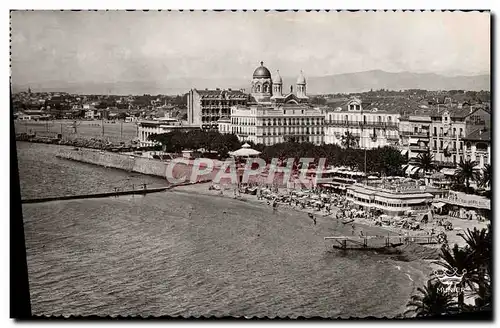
<point x="433" y="300"/>
<point x="425" y="162"/>
<point x="479" y="242"/>
<point x="466" y="172"/>
<point x="458" y="259"/>
<point x="349" y="140"/>
<point x="485" y="177"/>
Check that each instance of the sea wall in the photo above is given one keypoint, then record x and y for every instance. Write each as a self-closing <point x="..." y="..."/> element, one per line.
<point x="175" y="172"/>
<point x="133" y="163"/>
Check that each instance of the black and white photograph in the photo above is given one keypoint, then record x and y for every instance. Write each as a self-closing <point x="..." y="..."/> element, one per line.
<point x="253" y="164"/>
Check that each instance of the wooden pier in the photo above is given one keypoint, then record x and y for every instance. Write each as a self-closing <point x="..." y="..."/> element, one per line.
<point x="377" y="242"/>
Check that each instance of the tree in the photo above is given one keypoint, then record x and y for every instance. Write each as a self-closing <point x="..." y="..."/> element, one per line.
<point x="484" y="180"/>
<point x="466" y="173"/>
<point x="459" y="259"/>
<point x="480" y="242"/>
<point x="425" y="162"/>
<point x="433" y="300"/>
<point x="349" y="140"/>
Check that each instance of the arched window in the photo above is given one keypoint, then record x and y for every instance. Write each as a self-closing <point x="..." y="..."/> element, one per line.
<point x="258" y="87"/>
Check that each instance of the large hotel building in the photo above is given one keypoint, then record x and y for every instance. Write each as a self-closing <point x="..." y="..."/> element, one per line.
<point x="268" y="116"/>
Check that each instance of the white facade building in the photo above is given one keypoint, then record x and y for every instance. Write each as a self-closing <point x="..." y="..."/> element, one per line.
<point x="372" y="125"/>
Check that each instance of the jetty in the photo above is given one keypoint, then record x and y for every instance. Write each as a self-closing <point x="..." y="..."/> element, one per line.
<point x="378" y="242"/>
<point x="117" y="192"/>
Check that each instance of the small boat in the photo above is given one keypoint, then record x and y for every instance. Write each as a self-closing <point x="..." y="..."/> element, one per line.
<point x="347" y="220"/>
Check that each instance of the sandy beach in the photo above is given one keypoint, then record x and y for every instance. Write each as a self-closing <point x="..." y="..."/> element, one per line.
<point x="459" y="225"/>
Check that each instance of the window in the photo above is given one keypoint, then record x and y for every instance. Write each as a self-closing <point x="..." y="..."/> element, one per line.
<point x="454" y="132"/>
<point x="416" y="130"/>
<point x="435" y="144"/>
<point x="461" y="132"/>
<point x="461" y="145"/>
<point x="435" y="131"/>
<point x="440" y="131"/>
<point x="441" y="144"/>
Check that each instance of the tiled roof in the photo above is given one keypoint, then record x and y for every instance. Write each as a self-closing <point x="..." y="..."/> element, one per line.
<point x="482" y="133"/>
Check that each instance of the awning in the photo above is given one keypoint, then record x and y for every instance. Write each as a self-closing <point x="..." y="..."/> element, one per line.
<point x="439" y="204"/>
<point x="404" y="152"/>
<point x="413" y="141"/>
<point x="448" y="171"/>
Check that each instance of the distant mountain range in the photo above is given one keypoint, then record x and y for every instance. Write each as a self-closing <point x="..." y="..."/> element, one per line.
<point x="339" y="83"/>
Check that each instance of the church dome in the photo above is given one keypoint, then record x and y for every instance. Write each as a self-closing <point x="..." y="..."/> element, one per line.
<point x="261" y="72"/>
<point x="277" y="78"/>
<point x="301" y="79"/>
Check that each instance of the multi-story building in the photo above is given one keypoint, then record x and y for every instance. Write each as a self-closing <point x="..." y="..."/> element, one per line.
<point x="441" y="131"/>
<point x="477" y="146"/>
<point x="448" y="128"/>
<point x="206" y="107"/>
<point x="372" y="124"/>
<point x="269" y="126"/>
<point x="164" y="125"/>
<point x="414" y="132"/>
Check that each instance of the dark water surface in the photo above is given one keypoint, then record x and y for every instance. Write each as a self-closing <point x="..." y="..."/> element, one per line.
<point x="175" y="253"/>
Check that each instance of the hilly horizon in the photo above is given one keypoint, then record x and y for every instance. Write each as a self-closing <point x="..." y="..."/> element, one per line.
<point x="337" y="83"/>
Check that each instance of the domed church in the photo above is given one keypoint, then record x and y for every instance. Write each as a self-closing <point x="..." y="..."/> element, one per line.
<point x="265" y="89"/>
<point x="272" y="116"/>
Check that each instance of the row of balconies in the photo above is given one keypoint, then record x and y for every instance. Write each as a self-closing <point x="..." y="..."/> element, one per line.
<point x="292" y="123"/>
<point x="448" y="135"/>
<point x="298" y="133"/>
<point x="361" y="124"/>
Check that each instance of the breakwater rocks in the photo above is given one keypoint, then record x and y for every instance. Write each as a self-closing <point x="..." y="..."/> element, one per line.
<point x="92" y="143"/>
<point x="138" y="164"/>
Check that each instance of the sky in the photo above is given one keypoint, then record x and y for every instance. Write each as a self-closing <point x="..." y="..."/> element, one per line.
<point x="80" y="47"/>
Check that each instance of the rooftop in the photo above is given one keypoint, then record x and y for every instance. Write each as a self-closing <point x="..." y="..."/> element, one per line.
<point x="217" y="93"/>
<point x="480" y="134"/>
